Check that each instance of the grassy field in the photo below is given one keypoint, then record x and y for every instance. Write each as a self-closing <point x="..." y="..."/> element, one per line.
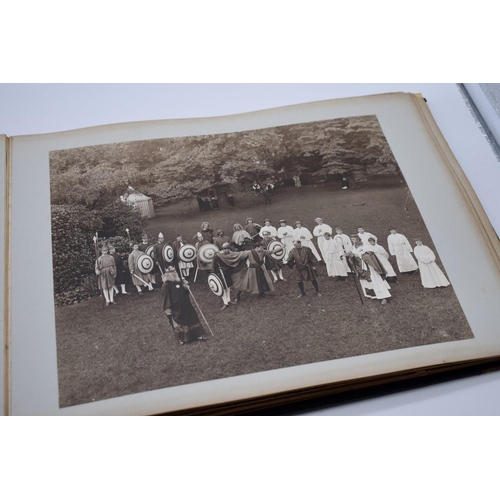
<point x="130" y="347"/>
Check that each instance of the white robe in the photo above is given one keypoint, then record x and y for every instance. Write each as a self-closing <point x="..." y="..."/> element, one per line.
<point x="364" y="237"/>
<point x="344" y="244"/>
<point x="332" y="253"/>
<point x="271" y="229"/>
<point x="285" y="234"/>
<point x="383" y="257"/>
<point x="304" y="235"/>
<point x="430" y="273"/>
<point x="319" y="232"/>
<point x="401" y="248"/>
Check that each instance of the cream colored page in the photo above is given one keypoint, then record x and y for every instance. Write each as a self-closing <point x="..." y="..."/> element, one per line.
<point x="443" y="209"/>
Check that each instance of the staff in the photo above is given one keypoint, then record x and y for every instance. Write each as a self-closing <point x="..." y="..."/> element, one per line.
<point x="355" y="274"/>
<point x="199" y="308"/>
<point x="96" y="248"/>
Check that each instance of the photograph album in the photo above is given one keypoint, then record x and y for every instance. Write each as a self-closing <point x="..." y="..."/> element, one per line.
<point x="230" y="264"/>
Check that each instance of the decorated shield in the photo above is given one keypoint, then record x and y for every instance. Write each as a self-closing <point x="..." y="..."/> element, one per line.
<point x="187" y="253"/>
<point x="215" y="284"/>
<point x="145" y="264"/>
<point x="168" y="253"/>
<point x="273" y="245"/>
<point x="149" y="250"/>
<point x="207" y="252"/>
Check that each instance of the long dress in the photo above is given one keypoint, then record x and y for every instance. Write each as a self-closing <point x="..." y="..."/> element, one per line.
<point x="302" y="260"/>
<point x="285" y="234"/>
<point x="344" y="244"/>
<point x="370" y="273"/>
<point x="401" y="248"/>
<point x="257" y="279"/>
<point x="319" y="231"/>
<point x="177" y="305"/>
<point x="332" y="253"/>
<point x="304" y="235"/>
<point x="383" y="257"/>
<point x="430" y="273"/>
<point x="105" y="269"/>
<point x="132" y="265"/>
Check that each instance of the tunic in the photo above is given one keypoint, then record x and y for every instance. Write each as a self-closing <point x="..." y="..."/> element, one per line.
<point x="304" y="235"/>
<point x="383" y="257"/>
<point x="208" y="235"/>
<point x="220" y="240"/>
<point x="270" y="263"/>
<point x="177" y="245"/>
<point x="285" y="234"/>
<point x="430" y="273"/>
<point x="132" y="265"/>
<point x="401" y="248"/>
<point x="120" y="269"/>
<point x="270" y="229"/>
<point x="202" y="266"/>
<point x="158" y="256"/>
<point x="233" y="265"/>
<point x="319" y="232"/>
<point x="332" y="253"/>
<point x="176" y="301"/>
<point x="105" y="268"/>
<point x="253" y="230"/>
<point x="303" y="260"/>
<point x="344" y="245"/>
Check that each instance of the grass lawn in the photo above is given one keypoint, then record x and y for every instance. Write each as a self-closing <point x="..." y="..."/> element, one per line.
<point x="130" y="347"/>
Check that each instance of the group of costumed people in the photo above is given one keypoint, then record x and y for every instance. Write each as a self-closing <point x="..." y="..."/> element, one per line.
<point x="247" y="263"/>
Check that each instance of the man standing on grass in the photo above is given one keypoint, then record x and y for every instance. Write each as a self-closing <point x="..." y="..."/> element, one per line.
<point x="344" y="246"/>
<point x="143" y="247"/>
<point x="158" y="253"/>
<point x="178" y="308"/>
<point x="269" y="228"/>
<point x="401" y="248"/>
<point x="285" y="234"/>
<point x="304" y="235"/>
<point x="303" y="260"/>
<point x="319" y="231"/>
<point x="273" y="265"/>
<point x="138" y="279"/>
<point x="253" y="229"/>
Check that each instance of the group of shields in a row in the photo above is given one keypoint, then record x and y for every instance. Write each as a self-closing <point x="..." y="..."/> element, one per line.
<point x="206" y="253"/>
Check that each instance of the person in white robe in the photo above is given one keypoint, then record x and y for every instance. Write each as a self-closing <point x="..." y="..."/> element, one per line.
<point x="430" y="273"/>
<point x="400" y="247"/>
<point x="383" y="257"/>
<point x="344" y="243"/>
<point x="285" y="234"/>
<point x="369" y="272"/>
<point x="365" y="235"/>
<point x="334" y="255"/>
<point x="305" y="237"/>
<point x="269" y="228"/>
<point x="319" y="231"/>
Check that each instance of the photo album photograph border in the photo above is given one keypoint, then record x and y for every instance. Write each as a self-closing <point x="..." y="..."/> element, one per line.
<point x="193" y="264"/>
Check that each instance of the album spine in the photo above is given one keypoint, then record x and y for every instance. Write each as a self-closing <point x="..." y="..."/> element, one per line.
<point x="6" y="220"/>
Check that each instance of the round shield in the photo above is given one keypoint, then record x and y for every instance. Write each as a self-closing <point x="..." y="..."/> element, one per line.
<point x="207" y="252"/>
<point x="168" y="253"/>
<point x="187" y="253"/>
<point x="273" y="245"/>
<point x="149" y="250"/>
<point x="215" y="284"/>
<point x="145" y="264"/>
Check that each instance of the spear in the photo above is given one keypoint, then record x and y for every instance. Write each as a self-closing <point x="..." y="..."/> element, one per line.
<point x="355" y="274"/>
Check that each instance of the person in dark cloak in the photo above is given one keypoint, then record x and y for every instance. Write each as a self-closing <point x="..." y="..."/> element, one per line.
<point x="303" y="260"/>
<point x="178" y="308"/>
<point x="120" y="271"/>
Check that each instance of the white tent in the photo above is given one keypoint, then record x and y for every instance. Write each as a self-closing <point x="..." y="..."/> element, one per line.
<point x="142" y="202"/>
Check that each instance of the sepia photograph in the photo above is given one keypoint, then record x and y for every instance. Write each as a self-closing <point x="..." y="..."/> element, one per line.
<point x="189" y="259"/>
